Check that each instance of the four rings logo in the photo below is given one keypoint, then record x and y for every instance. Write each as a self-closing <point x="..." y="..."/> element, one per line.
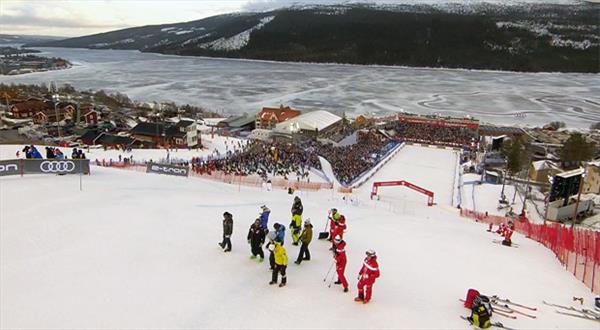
<point x="57" y="166"/>
<point x="169" y="170"/>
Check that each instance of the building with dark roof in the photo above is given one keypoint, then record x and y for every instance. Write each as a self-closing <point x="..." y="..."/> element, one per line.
<point x="183" y="134"/>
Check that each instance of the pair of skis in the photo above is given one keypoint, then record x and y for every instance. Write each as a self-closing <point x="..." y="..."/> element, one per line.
<point x="507" y="309"/>
<point x="580" y="313"/>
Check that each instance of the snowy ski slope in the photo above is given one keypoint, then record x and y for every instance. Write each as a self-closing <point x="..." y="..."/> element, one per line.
<point x="135" y="250"/>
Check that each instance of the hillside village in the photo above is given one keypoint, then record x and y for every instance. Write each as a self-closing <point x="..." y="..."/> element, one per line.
<point x="65" y="117"/>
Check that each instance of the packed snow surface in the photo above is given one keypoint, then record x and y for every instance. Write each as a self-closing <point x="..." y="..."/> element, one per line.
<point x="238" y="86"/>
<point x="136" y="250"/>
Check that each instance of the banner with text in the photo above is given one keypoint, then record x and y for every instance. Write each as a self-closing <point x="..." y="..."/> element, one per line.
<point x="44" y="166"/>
<point x="167" y="169"/>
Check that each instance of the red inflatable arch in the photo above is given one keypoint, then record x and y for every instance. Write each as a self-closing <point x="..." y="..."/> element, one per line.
<point x="429" y="193"/>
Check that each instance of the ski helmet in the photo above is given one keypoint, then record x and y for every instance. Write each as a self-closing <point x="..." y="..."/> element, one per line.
<point x="307" y="222"/>
<point x="370" y="252"/>
<point x="337" y="238"/>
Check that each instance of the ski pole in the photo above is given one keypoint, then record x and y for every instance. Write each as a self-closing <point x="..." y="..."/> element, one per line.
<point x="330" y="267"/>
<point x="331" y="280"/>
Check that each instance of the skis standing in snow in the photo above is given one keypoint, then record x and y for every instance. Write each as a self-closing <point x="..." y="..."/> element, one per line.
<point x="366" y="277"/>
<point x="339" y="255"/>
<point x="227" y="231"/>
<point x="256" y="237"/>
<point x="305" y="238"/>
<point x="281" y="261"/>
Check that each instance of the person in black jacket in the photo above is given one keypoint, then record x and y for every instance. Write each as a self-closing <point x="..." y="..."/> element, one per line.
<point x="227" y="231"/>
<point x="297" y="207"/>
<point x="256" y="237"/>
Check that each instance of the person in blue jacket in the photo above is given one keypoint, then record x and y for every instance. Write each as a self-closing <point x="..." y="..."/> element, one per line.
<point x="279" y="232"/>
<point x="264" y="218"/>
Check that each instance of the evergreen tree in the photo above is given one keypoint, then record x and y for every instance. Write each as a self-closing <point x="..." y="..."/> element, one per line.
<point x="576" y="150"/>
<point x="515" y="153"/>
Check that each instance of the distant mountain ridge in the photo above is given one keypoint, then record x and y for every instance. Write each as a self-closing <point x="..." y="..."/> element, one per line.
<point x="524" y="37"/>
<point x="14" y="39"/>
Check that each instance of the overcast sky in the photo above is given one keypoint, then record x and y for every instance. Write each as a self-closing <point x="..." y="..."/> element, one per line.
<point x="82" y="17"/>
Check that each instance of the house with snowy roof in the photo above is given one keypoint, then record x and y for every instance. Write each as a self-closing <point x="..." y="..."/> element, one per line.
<point x="542" y="169"/>
<point x="268" y="118"/>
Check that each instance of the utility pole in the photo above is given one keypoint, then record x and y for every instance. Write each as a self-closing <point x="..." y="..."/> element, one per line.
<point x="56" y="99"/>
<point x="578" y="198"/>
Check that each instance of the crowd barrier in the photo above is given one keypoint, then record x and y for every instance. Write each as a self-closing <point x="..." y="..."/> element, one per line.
<point x="256" y="181"/>
<point x="576" y="249"/>
<point x="252" y="180"/>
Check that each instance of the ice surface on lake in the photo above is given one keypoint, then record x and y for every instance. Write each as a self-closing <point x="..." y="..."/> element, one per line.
<point x="237" y="86"/>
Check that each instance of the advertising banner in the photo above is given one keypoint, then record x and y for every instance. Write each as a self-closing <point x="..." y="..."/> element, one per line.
<point x="167" y="169"/>
<point x="44" y="166"/>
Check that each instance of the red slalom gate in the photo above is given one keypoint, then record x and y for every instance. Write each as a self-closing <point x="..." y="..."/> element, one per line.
<point x="576" y="249"/>
<point x="424" y="191"/>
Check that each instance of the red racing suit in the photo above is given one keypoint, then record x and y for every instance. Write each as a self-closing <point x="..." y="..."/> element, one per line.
<point x="366" y="277"/>
<point x="340" y="227"/>
<point x="340" y="262"/>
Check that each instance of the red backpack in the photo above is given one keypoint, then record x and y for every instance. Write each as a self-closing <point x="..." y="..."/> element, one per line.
<point x="471" y="295"/>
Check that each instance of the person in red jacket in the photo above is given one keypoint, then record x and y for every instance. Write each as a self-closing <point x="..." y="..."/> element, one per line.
<point x="340" y="227"/>
<point x="339" y="253"/>
<point x="334" y="215"/>
<point x="508" y="231"/>
<point x="366" y="277"/>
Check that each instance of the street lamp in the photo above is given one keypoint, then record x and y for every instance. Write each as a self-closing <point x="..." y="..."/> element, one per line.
<point x="56" y="99"/>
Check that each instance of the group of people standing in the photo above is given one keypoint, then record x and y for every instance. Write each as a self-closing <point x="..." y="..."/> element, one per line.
<point x="259" y="233"/>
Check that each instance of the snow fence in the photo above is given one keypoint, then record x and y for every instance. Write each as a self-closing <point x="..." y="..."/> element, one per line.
<point x="242" y="180"/>
<point x="576" y="249"/>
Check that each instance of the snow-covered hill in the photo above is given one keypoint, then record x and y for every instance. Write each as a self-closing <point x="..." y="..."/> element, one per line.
<point x="135" y="250"/>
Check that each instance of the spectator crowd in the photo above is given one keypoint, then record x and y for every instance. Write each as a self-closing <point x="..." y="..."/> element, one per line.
<point x="455" y="136"/>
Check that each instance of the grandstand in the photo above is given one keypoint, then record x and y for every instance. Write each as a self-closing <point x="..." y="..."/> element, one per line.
<point x="446" y="131"/>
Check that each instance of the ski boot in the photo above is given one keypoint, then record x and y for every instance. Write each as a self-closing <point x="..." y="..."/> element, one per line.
<point x="345" y="289"/>
<point x="360" y="298"/>
<point x="337" y="282"/>
<point x="271" y="283"/>
<point x="252" y="257"/>
<point x="281" y="285"/>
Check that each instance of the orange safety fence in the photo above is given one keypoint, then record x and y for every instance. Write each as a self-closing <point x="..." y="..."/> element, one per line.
<point x="576" y="249"/>
<point x="244" y="180"/>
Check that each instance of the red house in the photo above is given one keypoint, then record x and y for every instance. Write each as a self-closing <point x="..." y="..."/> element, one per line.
<point x="269" y="117"/>
<point x="91" y="117"/>
<point x="27" y="109"/>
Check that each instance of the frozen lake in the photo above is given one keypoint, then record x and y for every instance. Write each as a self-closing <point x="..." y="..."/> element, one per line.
<point x="237" y="86"/>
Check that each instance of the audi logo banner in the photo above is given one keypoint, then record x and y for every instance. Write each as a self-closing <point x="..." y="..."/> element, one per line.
<point x="167" y="169"/>
<point x="44" y="166"/>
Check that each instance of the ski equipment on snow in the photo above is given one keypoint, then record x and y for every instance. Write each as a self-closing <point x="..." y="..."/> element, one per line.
<point x="507" y="301"/>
